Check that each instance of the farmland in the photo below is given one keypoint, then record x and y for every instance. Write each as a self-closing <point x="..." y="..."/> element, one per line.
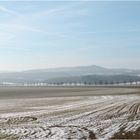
<point x="69" y="113"/>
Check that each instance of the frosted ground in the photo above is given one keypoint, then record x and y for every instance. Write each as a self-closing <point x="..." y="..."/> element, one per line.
<point x="102" y="113"/>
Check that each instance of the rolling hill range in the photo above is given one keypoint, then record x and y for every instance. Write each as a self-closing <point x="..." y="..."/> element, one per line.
<point x="73" y="74"/>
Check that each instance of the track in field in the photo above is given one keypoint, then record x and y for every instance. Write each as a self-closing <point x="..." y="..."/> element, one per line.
<point x="86" y="117"/>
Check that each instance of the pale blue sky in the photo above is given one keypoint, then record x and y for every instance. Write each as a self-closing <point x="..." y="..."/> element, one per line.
<point x="54" y="34"/>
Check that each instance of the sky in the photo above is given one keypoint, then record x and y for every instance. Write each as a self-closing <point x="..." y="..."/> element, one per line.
<point x="49" y="34"/>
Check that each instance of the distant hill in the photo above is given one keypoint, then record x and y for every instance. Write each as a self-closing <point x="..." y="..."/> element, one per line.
<point x="95" y="79"/>
<point x="68" y="73"/>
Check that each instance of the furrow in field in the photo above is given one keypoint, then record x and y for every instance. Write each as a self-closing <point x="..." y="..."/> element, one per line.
<point x="85" y="118"/>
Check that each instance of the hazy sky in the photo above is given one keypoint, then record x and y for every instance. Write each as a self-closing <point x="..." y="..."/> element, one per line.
<point x="55" y="34"/>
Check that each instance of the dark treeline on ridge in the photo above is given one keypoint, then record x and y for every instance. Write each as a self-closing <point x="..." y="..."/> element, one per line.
<point x="95" y="79"/>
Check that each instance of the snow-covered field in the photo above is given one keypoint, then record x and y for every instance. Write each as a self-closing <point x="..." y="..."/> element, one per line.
<point x="79" y="117"/>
